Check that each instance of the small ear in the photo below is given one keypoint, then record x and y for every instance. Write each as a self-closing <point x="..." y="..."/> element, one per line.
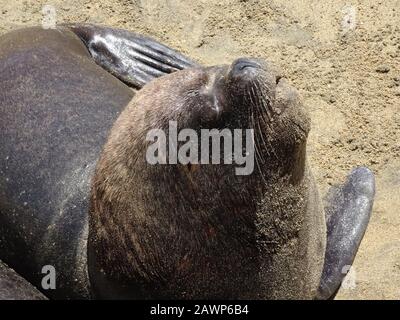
<point x="348" y="208"/>
<point x="133" y="58"/>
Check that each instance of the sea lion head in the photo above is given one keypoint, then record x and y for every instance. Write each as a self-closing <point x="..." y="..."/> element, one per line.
<point x="157" y="224"/>
<point x="248" y="94"/>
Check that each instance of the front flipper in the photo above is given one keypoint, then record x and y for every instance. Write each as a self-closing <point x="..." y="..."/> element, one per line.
<point x="132" y="58"/>
<point x="348" y="209"/>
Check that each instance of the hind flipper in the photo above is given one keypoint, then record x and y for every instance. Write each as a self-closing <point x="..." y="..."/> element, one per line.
<point x="348" y="209"/>
<point x="132" y="58"/>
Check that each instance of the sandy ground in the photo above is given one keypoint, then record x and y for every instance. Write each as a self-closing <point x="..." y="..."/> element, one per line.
<point x="343" y="56"/>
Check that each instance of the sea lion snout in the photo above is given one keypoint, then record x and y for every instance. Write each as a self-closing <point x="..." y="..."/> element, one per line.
<point x="248" y="69"/>
<point x="241" y="64"/>
<point x="244" y="70"/>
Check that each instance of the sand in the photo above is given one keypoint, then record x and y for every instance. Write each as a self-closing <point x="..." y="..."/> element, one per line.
<point x="343" y="56"/>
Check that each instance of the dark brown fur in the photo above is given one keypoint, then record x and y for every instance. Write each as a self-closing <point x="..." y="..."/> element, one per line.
<point x="200" y="231"/>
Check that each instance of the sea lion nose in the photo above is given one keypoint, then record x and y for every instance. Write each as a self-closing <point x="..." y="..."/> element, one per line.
<point x="242" y="65"/>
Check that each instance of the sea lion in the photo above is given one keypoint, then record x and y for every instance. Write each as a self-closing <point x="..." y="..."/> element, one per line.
<point x="161" y="231"/>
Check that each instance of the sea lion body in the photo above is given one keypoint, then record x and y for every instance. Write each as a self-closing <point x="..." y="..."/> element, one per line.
<point x="56" y="108"/>
<point x="77" y="192"/>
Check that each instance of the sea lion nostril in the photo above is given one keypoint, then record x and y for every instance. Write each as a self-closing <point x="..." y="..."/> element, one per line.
<point x="241" y="64"/>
